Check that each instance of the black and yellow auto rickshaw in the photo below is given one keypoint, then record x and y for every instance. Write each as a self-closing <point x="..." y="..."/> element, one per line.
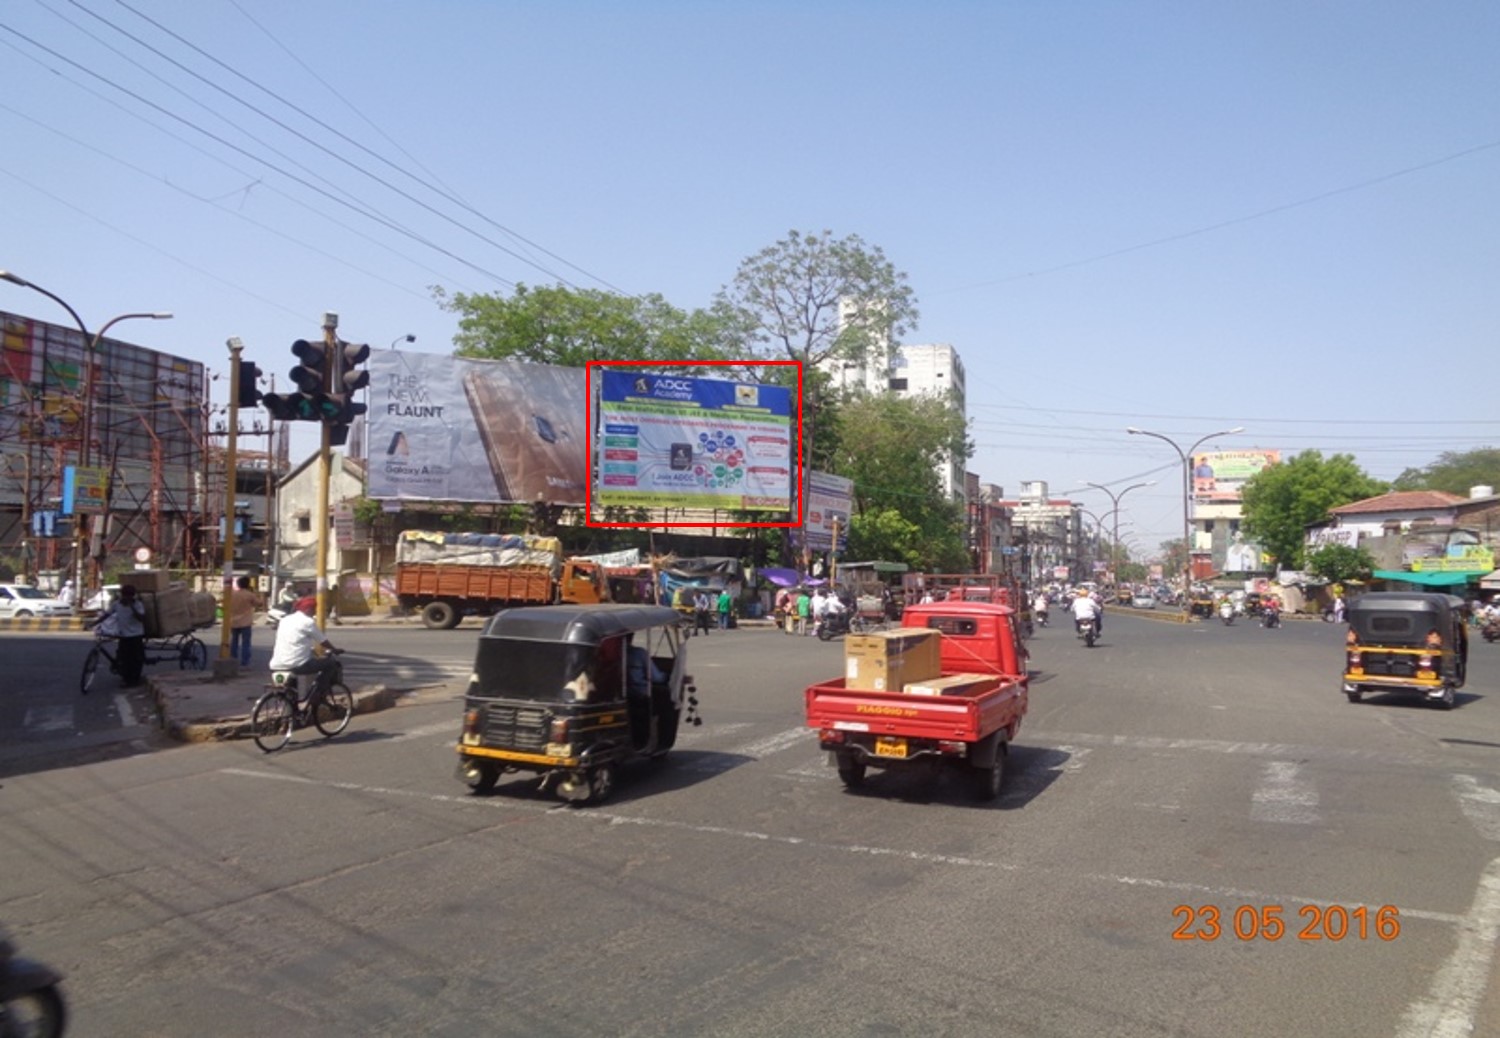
<point x="573" y="692"/>
<point x="1406" y="641"/>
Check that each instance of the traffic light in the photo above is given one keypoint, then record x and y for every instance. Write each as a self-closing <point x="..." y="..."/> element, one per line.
<point x="348" y="379"/>
<point x="249" y="393"/>
<point x="312" y="402"/>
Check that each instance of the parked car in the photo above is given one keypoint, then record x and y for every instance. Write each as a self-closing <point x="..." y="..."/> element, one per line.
<point x="22" y="600"/>
<point x="102" y="599"/>
<point x="1143" y="601"/>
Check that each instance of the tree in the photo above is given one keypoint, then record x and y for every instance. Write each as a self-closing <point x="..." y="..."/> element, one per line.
<point x="1455" y="472"/>
<point x="814" y="298"/>
<point x="558" y="325"/>
<point x="891" y="447"/>
<point x="1280" y="501"/>
<point x="1173" y="560"/>
<point x="1337" y="563"/>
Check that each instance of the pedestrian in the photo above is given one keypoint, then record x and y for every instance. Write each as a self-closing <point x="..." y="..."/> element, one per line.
<point x="243" y="604"/>
<point x="1338" y="609"/>
<point x="128" y="618"/>
<point x="726" y="606"/>
<point x="804" y="607"/>
<point x="702" y="607"/>
<point x="68" y="594"/>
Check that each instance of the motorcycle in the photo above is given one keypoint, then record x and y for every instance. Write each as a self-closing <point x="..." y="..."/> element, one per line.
<point x="1041" y="616"/>
<point x="31" y="1001"/>
<point x="834" y="624"/>
<point x="1226" y="613"/>
<point x="1088" y="630"/>
<point x="1491" y="630"/>
<point x="1270" y="618"/>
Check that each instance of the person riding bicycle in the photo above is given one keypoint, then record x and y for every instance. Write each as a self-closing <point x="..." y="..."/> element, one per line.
<point x="296" y="637"/>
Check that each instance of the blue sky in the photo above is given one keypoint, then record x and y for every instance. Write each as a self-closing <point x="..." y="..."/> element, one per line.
<point x="1182" y="216"/>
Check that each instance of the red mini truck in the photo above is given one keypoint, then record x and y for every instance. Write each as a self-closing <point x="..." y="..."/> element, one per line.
<point x="966" y="715"/>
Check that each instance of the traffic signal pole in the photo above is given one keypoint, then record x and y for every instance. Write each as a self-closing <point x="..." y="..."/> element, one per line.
<point x="332" y="374"/>
<point x="224" y="666"/>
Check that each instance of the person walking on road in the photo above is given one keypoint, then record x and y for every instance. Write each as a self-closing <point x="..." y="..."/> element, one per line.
<point x="804" y="608"/>
<point x="702" y="607"/>
<point x="243" y="604"/>
<point x="726" y="606"/>
<point x="128" y="618"/>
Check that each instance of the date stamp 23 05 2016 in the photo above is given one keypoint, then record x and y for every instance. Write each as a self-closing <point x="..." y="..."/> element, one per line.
<point x="1271" y="923"/>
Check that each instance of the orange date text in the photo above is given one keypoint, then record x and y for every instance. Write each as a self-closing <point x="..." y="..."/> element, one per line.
<point x="1273" y="922"/>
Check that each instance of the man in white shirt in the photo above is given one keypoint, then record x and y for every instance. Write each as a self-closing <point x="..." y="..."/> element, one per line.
<point x="297" y="635"/>
<point x="1085" y="608"/>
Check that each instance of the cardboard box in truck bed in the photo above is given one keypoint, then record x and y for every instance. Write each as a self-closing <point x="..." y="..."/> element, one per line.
<point x="890" y="660"/>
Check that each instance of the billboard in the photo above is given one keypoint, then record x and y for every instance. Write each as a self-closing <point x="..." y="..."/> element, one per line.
<point x="483" y="431"/>
<point x="830" y="499"/>
<point x="1219" y="476"/>
<point x="669" y="441"/>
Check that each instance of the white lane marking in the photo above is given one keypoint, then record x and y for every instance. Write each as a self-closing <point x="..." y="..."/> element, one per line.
<point x="775" y="743"/>
<point x="1284" y="795"/>
<point x="1077" y="757"/>
<point x="51" y="718"/>
<point x="1480" y="805"/>
<point x="563" y="812"/>
<point x="438" y="728"/>
<point x="122" y="707"/>
<point x="1248" y="749"/>
<point x="1454" y="998"/>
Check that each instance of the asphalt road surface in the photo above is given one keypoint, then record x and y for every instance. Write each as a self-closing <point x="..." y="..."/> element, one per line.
<point x="1175" y="794"/>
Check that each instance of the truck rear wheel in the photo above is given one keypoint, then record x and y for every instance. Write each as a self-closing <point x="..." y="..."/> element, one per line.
<point x="440" y="616"/>
<point x="851" y="770"/>
<point x="986" y="782"/>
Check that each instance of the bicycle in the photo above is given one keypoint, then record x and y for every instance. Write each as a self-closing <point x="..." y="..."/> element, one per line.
<point x="189" y="652"/>
<point x="281" y="711"/>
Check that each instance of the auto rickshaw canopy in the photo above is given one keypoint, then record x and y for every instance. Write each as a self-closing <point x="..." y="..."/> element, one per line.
<point x="1402" y="617"/>
<point x="577" y="624"/>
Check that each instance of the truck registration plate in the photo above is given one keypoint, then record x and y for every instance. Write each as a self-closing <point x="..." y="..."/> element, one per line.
<point x="889" y="746"/>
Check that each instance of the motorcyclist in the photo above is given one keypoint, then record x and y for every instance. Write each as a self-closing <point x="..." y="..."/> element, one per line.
<point x="1270" y="615"/>
<point x="1039" y="606"/>
<point x="1087" y="608"/>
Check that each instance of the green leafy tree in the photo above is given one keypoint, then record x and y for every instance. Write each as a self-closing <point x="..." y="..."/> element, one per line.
<point x="814" y="298"/>
<point x="1455" y="472"/>
<point x="558" y="325"/>
<point x="1337" y="563"/>
<point x="1280" y="501"/>
<point x="891" y="447"/>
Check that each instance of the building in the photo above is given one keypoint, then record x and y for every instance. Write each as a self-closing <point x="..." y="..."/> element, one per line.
<point x="1049" y="537"/>
<point x="130" y="422"/>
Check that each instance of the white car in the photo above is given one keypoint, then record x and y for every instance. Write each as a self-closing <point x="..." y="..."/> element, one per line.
<point x="22" y="600"/>
<point x="102" y="599"/>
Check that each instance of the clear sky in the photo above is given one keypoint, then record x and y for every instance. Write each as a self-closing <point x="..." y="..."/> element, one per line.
<point x="1181" y="216"/>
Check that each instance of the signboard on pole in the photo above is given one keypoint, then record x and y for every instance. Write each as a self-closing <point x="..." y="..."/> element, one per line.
<point x="84" y="489"/>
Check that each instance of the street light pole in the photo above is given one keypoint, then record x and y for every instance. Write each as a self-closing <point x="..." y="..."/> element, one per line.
<point x="1114" y="499"/>
<point x="1187" y="497"/>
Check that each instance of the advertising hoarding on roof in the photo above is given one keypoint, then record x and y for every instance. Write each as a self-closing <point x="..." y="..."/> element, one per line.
<point x="1219" y="476"/>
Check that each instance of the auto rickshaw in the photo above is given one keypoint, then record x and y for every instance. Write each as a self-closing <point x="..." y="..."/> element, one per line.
<point x="1406" y="641"/>
<point x="573" y="692"/>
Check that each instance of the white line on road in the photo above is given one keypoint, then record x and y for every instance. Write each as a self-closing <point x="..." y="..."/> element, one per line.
<point x="1458" y="989"/>
<point x="122" y="707"/>
<point x="774" y="743"/>
<point x="52" y="718"/>
<point x="562" y="811"/>
<point x="1480" y="805"/>
<point x="1284" y="795"/>
<point x="437" y="728"/>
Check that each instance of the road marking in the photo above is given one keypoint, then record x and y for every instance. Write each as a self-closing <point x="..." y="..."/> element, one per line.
<point x="122" y="707"/>
<point x="49" y="718"/>
<point x="1480" y="805"/>
<point x="563" y="812"/>
<point x="1077" y="757"/>
<point x="437" y="728"/>
<point x="775" y="743"/>
<point x="1452" y="1001"/>
<point x="1249" y="749"/>
<point x="1284" y="795"/>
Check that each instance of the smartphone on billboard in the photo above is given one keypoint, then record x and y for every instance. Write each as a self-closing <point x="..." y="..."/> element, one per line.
<point x="529" y="423"/>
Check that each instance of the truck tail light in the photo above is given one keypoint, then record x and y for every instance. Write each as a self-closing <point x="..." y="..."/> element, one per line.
<point x="557" y="731"/>
<point x="830" y="736"/>
<point x="952" y="746"/>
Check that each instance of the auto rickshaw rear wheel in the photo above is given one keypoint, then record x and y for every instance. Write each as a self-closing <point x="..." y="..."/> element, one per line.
<point x="601" y="783"/>
<point x="1354" y="696"/>
<point x="482" y="776"/>
<point x="1447" y="699"/>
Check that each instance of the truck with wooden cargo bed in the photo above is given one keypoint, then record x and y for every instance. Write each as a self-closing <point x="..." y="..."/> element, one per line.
<point x="948" y="688"/>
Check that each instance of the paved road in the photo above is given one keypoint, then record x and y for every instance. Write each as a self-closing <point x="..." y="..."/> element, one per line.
<point x="46" y="722"/>
<point x="352" y="886"/>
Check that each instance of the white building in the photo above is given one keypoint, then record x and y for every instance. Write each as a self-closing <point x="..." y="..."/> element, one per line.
<point x="933" y="369"/>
